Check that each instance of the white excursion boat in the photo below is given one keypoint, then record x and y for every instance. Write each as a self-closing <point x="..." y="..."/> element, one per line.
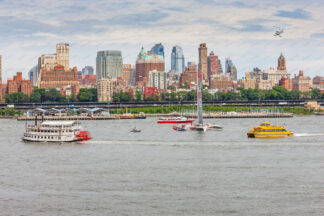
<point x="55" y="131"/>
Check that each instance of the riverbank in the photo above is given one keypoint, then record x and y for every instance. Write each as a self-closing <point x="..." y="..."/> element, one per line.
<point x="212" y="109"/>
<point x="118" y="117"/>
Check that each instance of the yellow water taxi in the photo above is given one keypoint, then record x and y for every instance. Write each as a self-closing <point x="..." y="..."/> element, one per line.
<point x="265" y="130"/>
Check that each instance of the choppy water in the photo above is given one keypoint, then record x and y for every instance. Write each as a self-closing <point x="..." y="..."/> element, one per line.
<point x="163" y="172"/>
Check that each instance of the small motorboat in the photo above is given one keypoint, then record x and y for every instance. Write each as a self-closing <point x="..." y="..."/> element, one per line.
<point x="181" y="128"/>
<point x="135" y="130"/>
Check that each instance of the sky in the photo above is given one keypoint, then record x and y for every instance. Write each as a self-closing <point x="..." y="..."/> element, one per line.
<point x="241" y="30"/>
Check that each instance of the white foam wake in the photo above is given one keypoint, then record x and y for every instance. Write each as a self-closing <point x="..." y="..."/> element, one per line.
<point x="308" y="134"/>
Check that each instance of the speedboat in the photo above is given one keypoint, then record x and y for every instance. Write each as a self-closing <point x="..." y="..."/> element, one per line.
<point x="266" y="130"/>
<point x="181" y="128"/>
<point x="55" y="131"/>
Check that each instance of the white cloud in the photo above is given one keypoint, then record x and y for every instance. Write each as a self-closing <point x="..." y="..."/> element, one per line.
<point x="243" y="31"/>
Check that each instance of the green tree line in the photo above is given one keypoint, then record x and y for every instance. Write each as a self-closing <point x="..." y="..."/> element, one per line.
<point x="40" y="95"/>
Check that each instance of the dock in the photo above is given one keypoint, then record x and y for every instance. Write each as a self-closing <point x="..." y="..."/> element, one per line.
<point x="117" y="117"/>
<point x="73" y="118"/>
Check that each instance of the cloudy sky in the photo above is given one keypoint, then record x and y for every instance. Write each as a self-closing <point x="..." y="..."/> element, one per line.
<point x="241" y="30"/>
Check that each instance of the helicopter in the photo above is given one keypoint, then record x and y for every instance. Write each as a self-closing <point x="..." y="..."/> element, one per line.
<point x="278" y="32"/>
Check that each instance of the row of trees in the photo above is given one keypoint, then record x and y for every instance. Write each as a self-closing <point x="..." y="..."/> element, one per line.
<point x="40" y="95"/>
<point x="10" y="111"/>
<point x="276" y="93"/>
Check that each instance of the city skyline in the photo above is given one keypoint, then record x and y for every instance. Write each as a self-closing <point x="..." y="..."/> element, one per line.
<point x="242" y="31"/>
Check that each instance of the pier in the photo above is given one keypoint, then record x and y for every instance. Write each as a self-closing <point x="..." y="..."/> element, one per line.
<point x="117" y="117"/>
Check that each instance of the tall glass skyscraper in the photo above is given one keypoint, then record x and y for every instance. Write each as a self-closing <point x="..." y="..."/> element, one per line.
<point x="158" y="49"/>
<point x="109" y="64"/>
<point x="228" y="65"/>
<point x="33" y="75"/>
<point x="230" y="69"/>
<point x="177" y="59"/>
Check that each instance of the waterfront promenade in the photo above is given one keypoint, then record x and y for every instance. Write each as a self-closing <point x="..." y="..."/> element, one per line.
<point x="116" y="105"/>
<point x="118" y="117"/>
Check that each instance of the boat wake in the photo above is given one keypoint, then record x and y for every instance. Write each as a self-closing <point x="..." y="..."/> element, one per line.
<point x="308" y="134"/>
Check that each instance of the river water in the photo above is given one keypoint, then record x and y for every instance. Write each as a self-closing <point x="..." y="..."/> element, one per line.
<point x="163" y="172"/>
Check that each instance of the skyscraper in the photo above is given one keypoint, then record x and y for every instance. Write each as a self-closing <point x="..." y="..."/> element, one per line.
<point x="49" y="61"/>
<point x="109" y="64"/>
<point x="281" y="63"/>
<point x="158" y="49"/>
<point x="33" y="75"/>
<point x="104" y="90"/>
<point x="177" y="59"/>
<point x="189" y="76"/>
<point x="228" y="65"/>
<point x="230" y="69"/>
<point x="87" y="70"/>
<point x="213" y="65"/>
<point x="157" y="79"/>
<point x="145" y="63"/>
<point x="63" y="55"/>
<point x="202" y="66"/>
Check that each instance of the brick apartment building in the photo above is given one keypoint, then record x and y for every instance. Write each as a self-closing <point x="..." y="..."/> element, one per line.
<point x="59" y="78"/>
<point x="18" y="84"/>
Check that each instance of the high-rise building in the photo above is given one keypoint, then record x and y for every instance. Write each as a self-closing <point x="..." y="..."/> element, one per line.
<point x="33" y="75"/>
<point x="87" y="70"/>
<point x="109" y="64"/>
<point x="189" y="76"/>
<point x="230" y="69"/>
<point x="58" y="78"/>
<point x="63" y="55"/>
<point x="177" y="59"/>
<point x="157" y="79"/>
<point x="157" y="49"/>
<point x="145" y="63"/>
<point x="132" y="77"/>
<point x="301" y="82"/>
<point x="214" y="66"/>
<point x="202" y="66"/>
<point x="318" y="82"/>
<point x="173" y="78"/>
<point x="105" y="90"/>
<point x="228" y="65"/>
<point x="249" y="81"/>
<point x="49" y="61"/>
<point x="126" y="72"/>
<point x="281" y="63"/>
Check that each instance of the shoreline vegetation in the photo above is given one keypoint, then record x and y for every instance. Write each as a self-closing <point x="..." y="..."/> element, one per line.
<point x="40" y="95"/>
<point x="8" y="112"/>
<point x="212" y="109"/>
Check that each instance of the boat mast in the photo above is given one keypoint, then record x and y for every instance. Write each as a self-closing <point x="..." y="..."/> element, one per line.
<point x="199" y="99"/>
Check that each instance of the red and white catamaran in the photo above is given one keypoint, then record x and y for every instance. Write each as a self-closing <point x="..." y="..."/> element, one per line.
<point x="175" y="120"/>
